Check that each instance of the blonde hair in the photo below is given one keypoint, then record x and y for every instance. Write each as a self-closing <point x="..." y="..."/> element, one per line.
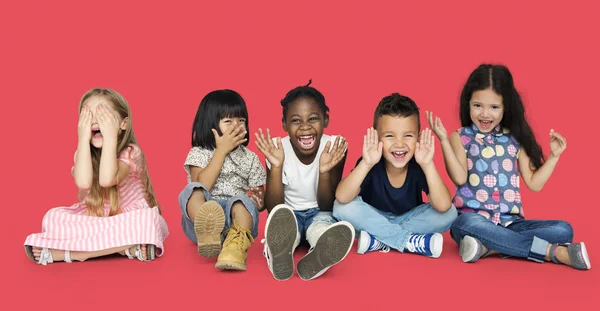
<point x="96" y="195"/>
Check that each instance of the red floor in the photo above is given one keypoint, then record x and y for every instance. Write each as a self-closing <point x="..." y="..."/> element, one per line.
<point x="375" y="281"/>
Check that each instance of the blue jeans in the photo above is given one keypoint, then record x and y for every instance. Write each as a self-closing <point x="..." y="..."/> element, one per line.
<point x="188" y="224"/>
<point x="391" y="229"/>
<point x="522" y="238"/>
<point x="308" y="224"/>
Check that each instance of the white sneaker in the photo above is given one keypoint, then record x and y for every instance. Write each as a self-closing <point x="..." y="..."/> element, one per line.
<point x="425" y="244"/>
<point x="281" y="236"/>
<point x="367" y="243"/>
<point x="331" y="248"/>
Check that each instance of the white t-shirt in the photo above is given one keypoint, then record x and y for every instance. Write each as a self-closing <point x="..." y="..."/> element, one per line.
<point x="300" y="181"/>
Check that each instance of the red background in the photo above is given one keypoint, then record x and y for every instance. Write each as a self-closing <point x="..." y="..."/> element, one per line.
<point x="164" y="57"/>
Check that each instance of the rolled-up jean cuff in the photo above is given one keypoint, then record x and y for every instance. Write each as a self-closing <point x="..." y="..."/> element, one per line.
<point x="538" y="249"/>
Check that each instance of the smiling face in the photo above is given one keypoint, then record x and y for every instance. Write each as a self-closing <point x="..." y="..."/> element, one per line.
<point x="304" y="122"/>
<point x="399" y="136"/>
<point x="486" y="110"/>
<point x="92" y="104"/>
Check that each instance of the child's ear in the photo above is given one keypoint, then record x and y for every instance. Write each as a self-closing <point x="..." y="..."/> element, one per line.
<point x="326" y="121"/>
<point x="284" y="124"/>
<point x="124" y="123"/>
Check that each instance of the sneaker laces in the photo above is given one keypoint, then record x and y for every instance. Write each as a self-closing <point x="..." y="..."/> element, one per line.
<point x="238" y="236"/>
<point x="416" y="243"/>
<point x="378" y="245"/>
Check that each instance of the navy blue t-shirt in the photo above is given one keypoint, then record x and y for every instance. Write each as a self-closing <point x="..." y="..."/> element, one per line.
<point x="377" y="191"/>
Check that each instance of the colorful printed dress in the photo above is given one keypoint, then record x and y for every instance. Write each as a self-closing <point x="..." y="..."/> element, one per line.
<point x="68" y="228"/>
<point x="492" y="187"/>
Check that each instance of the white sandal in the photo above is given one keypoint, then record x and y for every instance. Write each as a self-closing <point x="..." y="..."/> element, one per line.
<point x="138" y="253"/>
<point x="45" y="256"/>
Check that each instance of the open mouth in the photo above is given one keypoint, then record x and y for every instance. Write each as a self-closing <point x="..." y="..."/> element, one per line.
<point x="306" y="141"/>
<point x="399" y="155"/>
<point x="96" y="134"/>
<point x="485" y="123"/>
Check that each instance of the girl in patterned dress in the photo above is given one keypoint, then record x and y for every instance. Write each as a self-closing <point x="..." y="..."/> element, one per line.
<point x="118" y="212"/>
<point x="225" y="182"/>
<point x="484" y="158"/>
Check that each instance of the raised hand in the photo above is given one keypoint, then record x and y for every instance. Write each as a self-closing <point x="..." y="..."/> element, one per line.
<point x="232" y="138"/>
<point x="558" y="144"/>
<point x="425" y="148"/>
<point x="274" y="154"/>
<point x="257" y="195"/>
<point x="372" y="148"/>
<point x="437" y="126"/>
<point x="330" y="158"/>
<point x="84" y="127"/>
<point x="107" y="122"/>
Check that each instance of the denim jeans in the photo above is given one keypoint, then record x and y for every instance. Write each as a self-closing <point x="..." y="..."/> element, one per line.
<point x="522" y="238"/>
<point x="391" y="229"/>
<point x="188" y="224"/>
<point x="311" y="224"/>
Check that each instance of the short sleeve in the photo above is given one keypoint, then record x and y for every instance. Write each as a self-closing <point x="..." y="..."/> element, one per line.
<point x="131" y="156"/>
<point x="197" y="157"/>
<point x="258" y="176"/>
<point x="284" y="180"/>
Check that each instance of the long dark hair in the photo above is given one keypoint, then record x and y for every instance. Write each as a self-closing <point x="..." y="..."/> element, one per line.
<point x="215" y="106"/>
<point x="500" y="80"/>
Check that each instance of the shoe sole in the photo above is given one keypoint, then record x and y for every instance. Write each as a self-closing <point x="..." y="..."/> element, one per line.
<point x="280" y="232"/>
<point x="230" y="265"/>
<point x="29" y="252"/>
<point x="468" y="248"/>
<point x="364" y="241"/>
<point x="584" y="254"/>
<point x="331" y="248"/>
<point x="150" y="252"/>
<point x="436" y="245"/>
<point x="208" y="226"/>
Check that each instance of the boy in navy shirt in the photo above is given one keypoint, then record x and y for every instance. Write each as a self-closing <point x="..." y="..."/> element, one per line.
<point x="382" y="196"/>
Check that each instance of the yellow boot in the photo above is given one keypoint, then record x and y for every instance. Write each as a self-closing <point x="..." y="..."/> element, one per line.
<point x="235" y="249"/>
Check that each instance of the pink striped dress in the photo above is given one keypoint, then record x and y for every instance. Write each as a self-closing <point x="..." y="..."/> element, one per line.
<point x="69" y="228"/>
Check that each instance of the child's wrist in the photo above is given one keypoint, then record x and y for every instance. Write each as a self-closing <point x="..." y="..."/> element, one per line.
<point x="428" y="166"/>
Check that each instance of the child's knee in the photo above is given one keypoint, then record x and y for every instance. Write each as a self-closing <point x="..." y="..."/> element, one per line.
<point x="244" y="205"/>
<point x="467" y="220"/>
<point x="564" y="230"/>
<point x="448" y="218"/>
<point x="346" y="211"/>
<point x="192" y="191"/>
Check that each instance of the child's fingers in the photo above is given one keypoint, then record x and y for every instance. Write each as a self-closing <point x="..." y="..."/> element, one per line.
<point x="336" y="143"/>
<point x="327" y="146"/>
<point x="429" y="117"/>
<point x="279" y="145"/>
<point x="215" y="133"/>
<point x="429" y="137"/>
<point x="270" y="139"/>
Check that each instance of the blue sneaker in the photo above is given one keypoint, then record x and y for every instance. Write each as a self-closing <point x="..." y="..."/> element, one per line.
<point x="367" y="243"/>
<point x="425" y="244"/>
